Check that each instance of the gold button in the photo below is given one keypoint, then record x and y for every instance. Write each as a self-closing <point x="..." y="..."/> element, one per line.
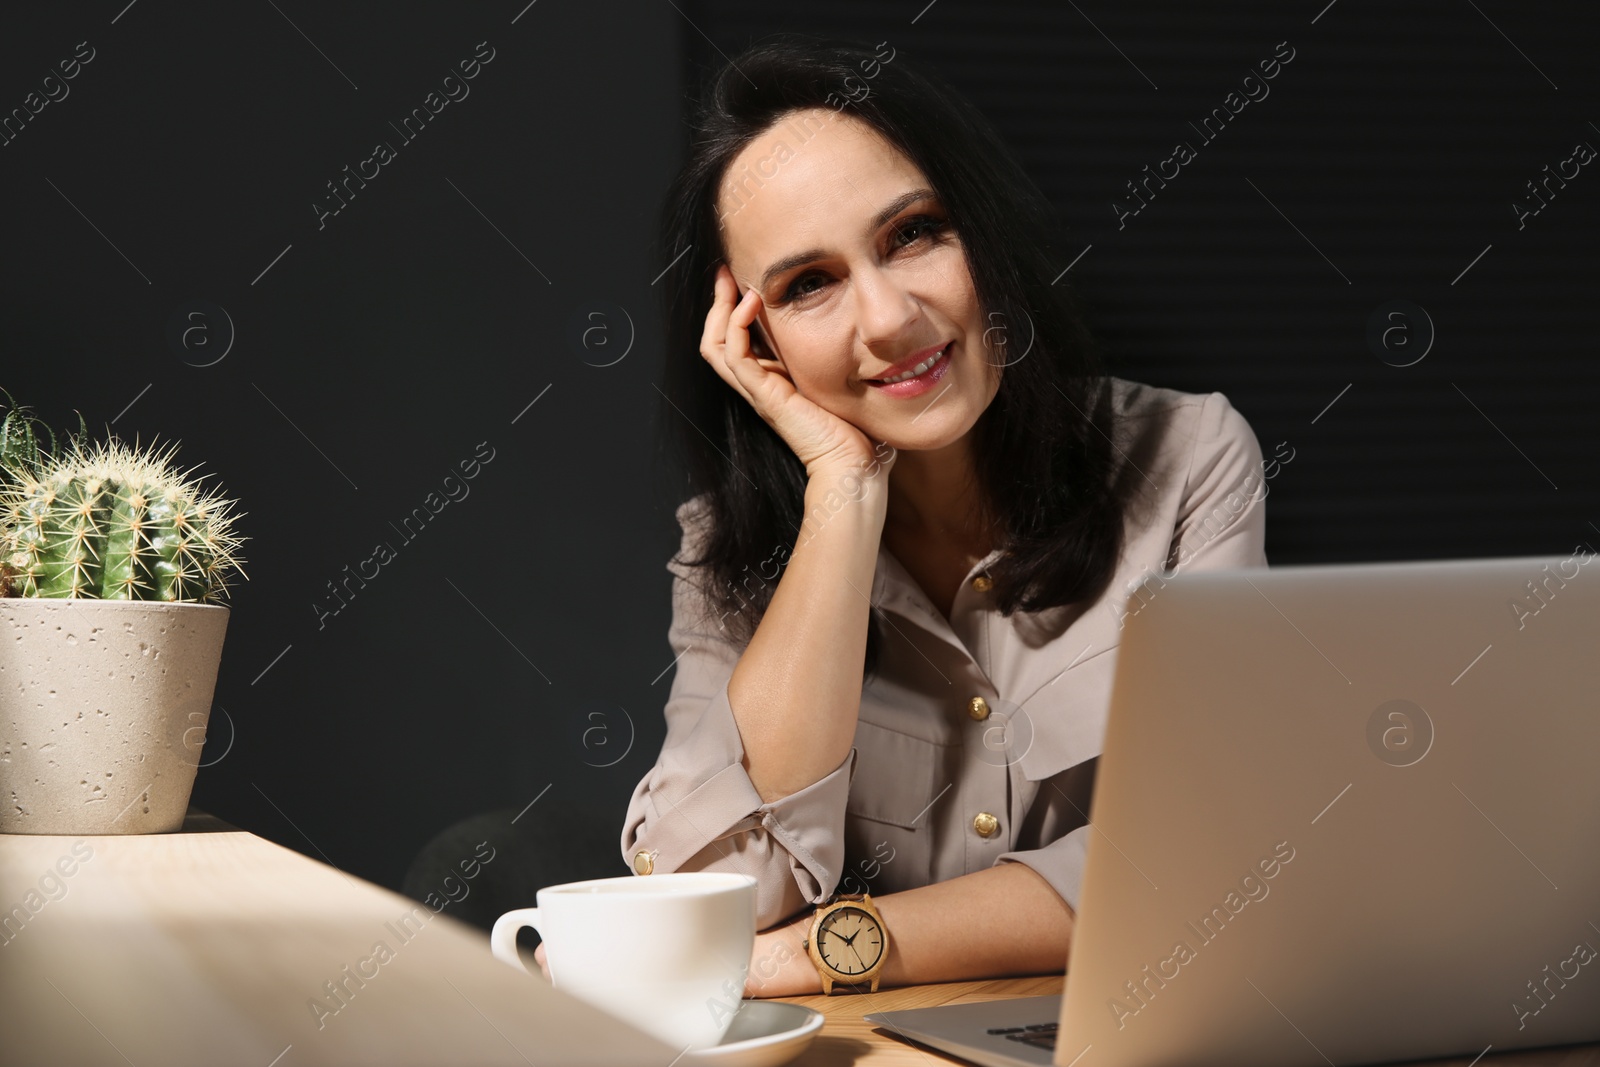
<point x="982" y="583"/>
<point x="985" y="824"/>
<point x="978" y="708"/>
<point x="644" y="862"/>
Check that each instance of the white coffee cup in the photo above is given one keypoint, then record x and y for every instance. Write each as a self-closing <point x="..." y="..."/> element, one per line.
<point x="666" y="952"/>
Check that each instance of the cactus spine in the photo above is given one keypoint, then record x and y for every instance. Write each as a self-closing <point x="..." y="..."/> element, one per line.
<point x="109" y="522"/>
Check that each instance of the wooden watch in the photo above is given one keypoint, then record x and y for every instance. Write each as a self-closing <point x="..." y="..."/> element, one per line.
<point x="848" y="942"/>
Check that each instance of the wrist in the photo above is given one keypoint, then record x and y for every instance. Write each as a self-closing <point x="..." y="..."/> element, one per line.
<point x="849" y="944"/>
<point x="779" y="965"/>
<point x="863" y="487"/>
<point x="871" y="468"/>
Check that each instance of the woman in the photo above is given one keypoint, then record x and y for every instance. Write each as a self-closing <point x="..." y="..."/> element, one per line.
<point x="920" y="509"/>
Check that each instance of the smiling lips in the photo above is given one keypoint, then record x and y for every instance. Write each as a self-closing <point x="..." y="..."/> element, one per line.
<point x="919" y="377"/>
<point x="911" y="367"/>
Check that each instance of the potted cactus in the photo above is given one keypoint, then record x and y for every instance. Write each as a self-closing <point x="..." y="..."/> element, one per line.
<point x="112" y="568"/>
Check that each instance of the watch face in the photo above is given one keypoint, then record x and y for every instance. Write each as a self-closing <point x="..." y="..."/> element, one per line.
<point x="850" y="941"/>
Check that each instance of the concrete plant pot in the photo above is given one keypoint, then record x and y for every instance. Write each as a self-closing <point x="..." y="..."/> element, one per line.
<point x="103" y="709"/>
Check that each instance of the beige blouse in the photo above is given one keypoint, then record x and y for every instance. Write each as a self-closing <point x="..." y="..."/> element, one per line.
<point x="978" y="736"/>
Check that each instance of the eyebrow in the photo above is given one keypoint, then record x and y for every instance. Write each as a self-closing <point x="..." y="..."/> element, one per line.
<point x="811" y="255"/>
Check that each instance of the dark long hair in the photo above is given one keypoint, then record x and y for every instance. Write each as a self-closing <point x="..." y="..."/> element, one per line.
<point x="1042" y="449"/>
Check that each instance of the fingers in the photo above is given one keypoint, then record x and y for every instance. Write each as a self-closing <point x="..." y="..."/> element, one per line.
<point x="755" y="332"/>
<point x="725" y="344"/>
<point x="539" y="955"/>
<point x="736" y="344"/>
<point x="723" y="289"/>
<point x="713" y="341"/>
<point x="765" y="382"/>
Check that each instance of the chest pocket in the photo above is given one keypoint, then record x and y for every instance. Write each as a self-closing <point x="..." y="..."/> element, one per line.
<point x="889" y="826"/>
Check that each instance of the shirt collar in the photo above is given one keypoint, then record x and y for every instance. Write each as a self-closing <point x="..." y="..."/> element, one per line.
<point x="894" y="589"/>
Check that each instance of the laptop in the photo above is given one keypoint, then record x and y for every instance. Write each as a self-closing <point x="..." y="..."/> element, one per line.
<point x="1344" y="814"/>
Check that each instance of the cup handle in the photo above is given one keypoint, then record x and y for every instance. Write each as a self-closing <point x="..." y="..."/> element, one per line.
<point x="503" y="938"/>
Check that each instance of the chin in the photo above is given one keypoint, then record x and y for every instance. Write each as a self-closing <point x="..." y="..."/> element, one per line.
<point x="931" y="438"/>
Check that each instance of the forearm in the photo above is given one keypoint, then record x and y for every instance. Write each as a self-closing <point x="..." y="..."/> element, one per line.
<point x="1000" y="921"/>
<point x="796" y="690"/>
<point x="993" y="923"/>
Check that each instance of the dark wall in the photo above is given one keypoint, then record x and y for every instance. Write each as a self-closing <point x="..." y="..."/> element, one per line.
<point x="518" y="640"/>
<point x="373" y="351"/>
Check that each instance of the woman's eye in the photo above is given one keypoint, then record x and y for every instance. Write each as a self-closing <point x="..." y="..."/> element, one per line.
<point x="798" y="289"/>
<point x="906" y="235"/>
<point x="919" y="226"/>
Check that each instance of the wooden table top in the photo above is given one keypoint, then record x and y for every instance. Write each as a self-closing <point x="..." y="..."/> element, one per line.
<point x="215" y="947"/>
<point x="847" y="1039"/>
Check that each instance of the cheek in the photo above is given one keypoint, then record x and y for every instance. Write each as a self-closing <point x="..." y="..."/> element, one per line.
<point x="818" y="360"/>
<point x="825" y="388"/>
<point x="949" y="265"/>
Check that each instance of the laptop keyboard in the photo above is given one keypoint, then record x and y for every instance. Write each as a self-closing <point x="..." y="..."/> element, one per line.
<point x="1039" y="1035"/>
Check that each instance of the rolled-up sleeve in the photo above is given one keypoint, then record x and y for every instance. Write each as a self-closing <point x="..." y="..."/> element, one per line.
<point x="1060" y="863"/>
<point x="1220" y="524"/>
<point x="697" y="810"/>
<point x="1059" y="817"/>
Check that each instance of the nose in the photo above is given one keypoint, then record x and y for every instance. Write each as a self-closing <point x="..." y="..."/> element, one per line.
<point x="885" y="308"/>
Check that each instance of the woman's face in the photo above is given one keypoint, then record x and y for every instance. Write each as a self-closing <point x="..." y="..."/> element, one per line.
<point x="858" y="272"/>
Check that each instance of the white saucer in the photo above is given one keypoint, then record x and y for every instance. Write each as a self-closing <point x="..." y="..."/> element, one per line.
<point x="765" y="1033"/>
